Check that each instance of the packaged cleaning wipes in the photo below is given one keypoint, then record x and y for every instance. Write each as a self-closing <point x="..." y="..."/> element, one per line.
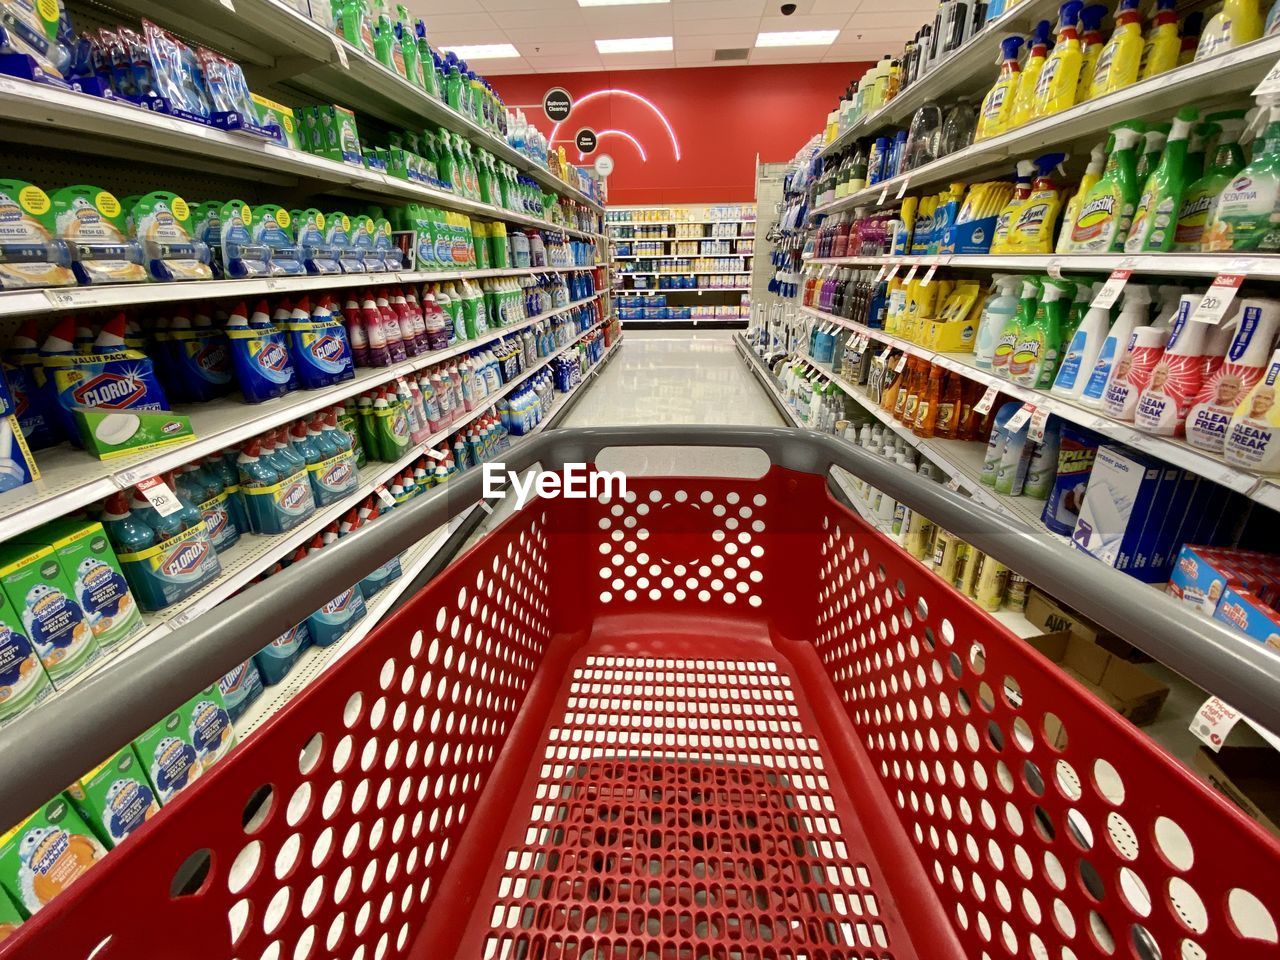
<point x="115" y="797"/>
<point x="31" y="255"/>
<point x="46" y="853"/>
<point x="162" y="225"/>
<point x="90" y="221"/>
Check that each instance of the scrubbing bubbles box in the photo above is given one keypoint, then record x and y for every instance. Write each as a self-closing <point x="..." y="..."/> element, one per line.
<point x="40" y="591"/>
<point x="182" y="746"/>
<point x="87" y="559"/>
<point x="115" y="798"/>
<point x="46" y="853"/>
<point x="23" y="682"/>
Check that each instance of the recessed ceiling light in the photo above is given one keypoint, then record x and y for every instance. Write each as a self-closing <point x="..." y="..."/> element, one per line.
<point x="617" y="3"/>
<point x="797" y="38"/>
<point x="483" y="51"/>
<point x="634" y="45"/>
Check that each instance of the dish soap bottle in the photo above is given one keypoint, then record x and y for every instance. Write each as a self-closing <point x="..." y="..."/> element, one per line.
<point x="997" y="105"/>
<point x="1238" y="22"/>
<point x="1155" y="219"/>
<point x="1091" y="43"/>
<point x="1037" y="52"/>
<point x="1121" y="56"/>
<point x="1102" y="220"/>
<point x="1202" y="194"/>
<point x="1160" y="51"/>
<point x="1056" y="86"/>
<point x="1244" y="213"/>
<point x="1092" y="174"/>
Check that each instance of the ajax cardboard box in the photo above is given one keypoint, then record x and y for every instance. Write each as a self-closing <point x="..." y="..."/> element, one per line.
<point x="46" y="853"/>
<point x="115" y="797"/>
<point x="1125" y="688"/>
<point x="42" y="595"/>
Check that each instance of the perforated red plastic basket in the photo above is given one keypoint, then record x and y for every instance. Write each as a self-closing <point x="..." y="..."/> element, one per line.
<point x="717" y="718"/>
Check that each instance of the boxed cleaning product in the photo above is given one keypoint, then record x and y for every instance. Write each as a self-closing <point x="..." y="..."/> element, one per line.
<point x="10" y="917"/>
<point x="1244" y="610"/>
<point x="164" y="573"/>
<point x="278" y="115"/>
<point x="89" y="562"/>
<point x="46" y="853"/>
<point x="23" y="682"/>
<point x="331" y="132"/>
<point x="115" y="798"/>
<point x="42" y="594"/>
<point x="240" y="689"/>
<point x="182" y="746"/>
<point x="1122" y="488"/>
<point x="1164" y="520"/>
<point x="1202" y="574"/>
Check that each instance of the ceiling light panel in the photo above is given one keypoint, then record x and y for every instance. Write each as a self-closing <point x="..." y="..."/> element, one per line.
<point x="635" y="45"/>
<point x="797" y="38"/>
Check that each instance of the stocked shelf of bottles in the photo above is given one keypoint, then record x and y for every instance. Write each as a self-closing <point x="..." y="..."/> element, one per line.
<point x="1257" y="266"/>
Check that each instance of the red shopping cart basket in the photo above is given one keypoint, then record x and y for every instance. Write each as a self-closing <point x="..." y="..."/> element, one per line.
<point x="712" y="718"/>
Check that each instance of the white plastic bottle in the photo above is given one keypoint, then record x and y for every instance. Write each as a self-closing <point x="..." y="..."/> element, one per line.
<point x="1132" y="371"/>
<point x="996" y="314"/>
<point x="1134" y="312"/>
<point x="1082" y="353"/>
<point x="1256" y="323"/>
<point x="1252" y="436"/>
<point x="1175" y="379"/>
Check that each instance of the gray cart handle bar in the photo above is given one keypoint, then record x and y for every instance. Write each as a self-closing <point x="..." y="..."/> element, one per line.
<point x="125" y="697"/>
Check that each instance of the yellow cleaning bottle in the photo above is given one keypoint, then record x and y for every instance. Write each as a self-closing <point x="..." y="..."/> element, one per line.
<point x="1007" y="216"/>
<point x="997" y="105"/>
<point x="1056" y="86"/>
<point x="1090" y="46"/>
<point x="1160" y="52"/>
<point x="1037" y="52"/>
<point x="1121" y="56"/>
<point x="1097" y="161"/>
<point x="1238" y="22"/>
<point x="1032" y="229"/>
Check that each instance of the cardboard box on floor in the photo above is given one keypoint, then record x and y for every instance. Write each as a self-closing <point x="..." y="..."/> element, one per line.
<point x="1246" y="777"/>
<point x="1044" y="611"/>
<point x="1121" y="685"/>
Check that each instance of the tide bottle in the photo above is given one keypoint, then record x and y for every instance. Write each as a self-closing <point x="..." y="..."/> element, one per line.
<point x="997" y="105"/>
<point x="1121" y="56"/>
<point x="1256" y="323"/>
<point x="1037" y="54"/>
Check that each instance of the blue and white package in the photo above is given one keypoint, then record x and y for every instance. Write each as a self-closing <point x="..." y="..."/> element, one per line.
<point x="259" y="354"/>
<point x="272" y="228"/>
<point x="331" y="622"/>
<point x="1122" y="488"/>
<point x="318" y="344"/>
<point x="275" y="659"/>
<point x="308" y="230"/>
<point x="240" y="688"/>
<point x="241" y="255"/>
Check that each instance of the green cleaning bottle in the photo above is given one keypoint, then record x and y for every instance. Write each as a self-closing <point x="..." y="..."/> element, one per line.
<point x="353" y="25"/>
<point x="1035" y="354"/>
<point x="1154" y="136"/>
<point x="1002" y="357"/>
<point x="1228" y="160"/>
<point x="386" y="48"/>
<point x="409" y="52"/>
<point x="1156" y="218"/>
<point x="1244" y="215"/>
<point x="1102" y="220"/>
<point x="1092" y="174"/>
<point x="427" y="58"/>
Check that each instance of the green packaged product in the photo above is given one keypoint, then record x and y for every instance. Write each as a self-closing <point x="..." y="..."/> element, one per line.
<point x="115" y="797"/>
<point x="23" y="682"/>
<point x="27" y="214"/>
<point x="186" y="743"/>
<point x="46" y="853"/>
<point x="42" y="595"/>
<point x="10" y="917"/>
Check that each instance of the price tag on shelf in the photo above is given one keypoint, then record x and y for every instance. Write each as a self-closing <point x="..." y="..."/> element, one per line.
<point x="954" y="484"/>
<point x="1035" y="429"/>
<point x="893" y="271"/>
<point x="1020" y="417"/>
<point x="435" y="454"/>
<point x="884" y="194"/>
<point x="879" y="275"/>
<point x="271" y="283"/>
<point x="1213" y="721"/>
<point x="928" y="275"/>
<point x="1110" y="291"/>
<point x="160" y="496"/>
<point x="911" y="274"/>
<point x="74" y="297"/>
<point x="884" y="355"/>
<point x="1217" y="299"/>
<point x="902" y="362"/>
<point x="342" y="52"/>
<point x="902" y="189"/>
<point x="1241" y="264"/>
<point x="1268" y="84"/>
<point x="1054" y="268"/>
<point x="385" y="497"/>
<point x="230" y="5"/>
<point x="983" y="406"/>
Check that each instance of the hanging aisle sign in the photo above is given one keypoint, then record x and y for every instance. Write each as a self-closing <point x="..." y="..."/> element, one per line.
<point x="586" y="140"/>
<point x="557" y="104"/>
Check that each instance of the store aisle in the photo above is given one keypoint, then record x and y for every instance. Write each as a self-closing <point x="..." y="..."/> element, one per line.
<point x="670" y="376"/>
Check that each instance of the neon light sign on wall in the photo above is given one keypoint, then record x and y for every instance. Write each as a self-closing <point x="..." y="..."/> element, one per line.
<point x="675" y="144"/>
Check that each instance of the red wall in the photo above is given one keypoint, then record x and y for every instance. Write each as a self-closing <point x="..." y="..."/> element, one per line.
<point x="722" y="117"/>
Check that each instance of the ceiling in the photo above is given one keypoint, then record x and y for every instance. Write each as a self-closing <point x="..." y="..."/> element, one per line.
<point x="556" y="36"/>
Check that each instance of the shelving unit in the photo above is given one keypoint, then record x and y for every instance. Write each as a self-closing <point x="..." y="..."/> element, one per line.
<point x="1260" y="266"/>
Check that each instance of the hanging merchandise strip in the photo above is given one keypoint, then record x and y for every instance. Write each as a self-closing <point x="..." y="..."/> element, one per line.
<point x="1256" y="488"/>
<point x="71" y="480"/>
<point x="1236" y="72"/>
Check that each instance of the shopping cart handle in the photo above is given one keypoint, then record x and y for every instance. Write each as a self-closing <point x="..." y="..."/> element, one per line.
<point x="121" y="700"/>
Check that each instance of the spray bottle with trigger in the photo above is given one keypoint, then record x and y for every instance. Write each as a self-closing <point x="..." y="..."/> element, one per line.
<point x="1032" y="229"/>
<point x="997" y="105"/>
<point x="1037" y="52"/>
<point x="1021" y="191"/>
<point x="1156" y="216"/>
<point x="1091" y="42"/>
<point x="1134" y="312"/>
<point x="1056" y="86"/>
<point x="1092" y="174"/>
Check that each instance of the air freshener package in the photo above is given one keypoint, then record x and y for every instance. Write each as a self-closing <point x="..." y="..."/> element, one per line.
<point x="162" y="225"/>
<point x="90" y="221"/>
<point x="31" y="255"/>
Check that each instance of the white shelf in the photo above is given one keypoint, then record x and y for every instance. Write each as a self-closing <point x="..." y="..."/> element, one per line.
<point x="107" y="127"/>
<point x="1258" y="266"/>
<point x="1260" y="489"/>
<point x="1226" y="77"/>
<point x="621" y="292"/>
<point x="297" y="52"/>
<point x="59" y="299"/>
<point x="71" y="479"/>
<point x="672" y="256"/>
<point x="315" y="660"/>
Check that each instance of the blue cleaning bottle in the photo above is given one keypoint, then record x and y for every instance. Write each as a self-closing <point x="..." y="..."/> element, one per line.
<point x="128" y="533"/>
<point x="256" y="472"/>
